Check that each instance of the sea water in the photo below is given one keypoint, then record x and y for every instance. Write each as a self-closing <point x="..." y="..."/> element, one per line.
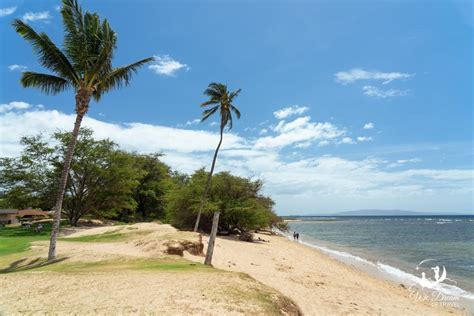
<point x="400" y="247"/>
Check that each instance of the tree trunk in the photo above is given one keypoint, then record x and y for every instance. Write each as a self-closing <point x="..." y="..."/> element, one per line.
<point x="82" y="105"/>
<point x="212" y="239"/>
<point x="208" y="184"/>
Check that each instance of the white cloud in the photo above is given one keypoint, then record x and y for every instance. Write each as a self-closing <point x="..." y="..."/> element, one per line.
<point x="36" y="16"/>
<point x="401" y="162"/>
<point x="263" y="131"/>
<point x="15" y="105"/>
<point x="299" y="130"/>
<point x="289" y="111"/>
<point x="372" y="91"/>
<point x="346" y="140"/>
<point x="369" y="125"/>
<point x="7" y="11"/>
<point x="317" y="183"/>
<point x="130" y="136"/>
<point x="17" y="67"/>
<point x="193" y="122"/>
<point x="364" y="139"/>
<point x="167" y="66"/>
<point x="356" y="74"/>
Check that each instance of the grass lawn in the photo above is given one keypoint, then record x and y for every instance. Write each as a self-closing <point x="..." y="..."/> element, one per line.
<point x="18" y="239"/>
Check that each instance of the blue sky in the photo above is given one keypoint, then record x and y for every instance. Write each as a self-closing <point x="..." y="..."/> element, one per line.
<point x="313" y="74"/>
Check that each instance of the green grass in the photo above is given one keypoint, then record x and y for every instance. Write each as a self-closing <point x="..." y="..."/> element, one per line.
<point x="107" y="237"/>
<point x="18" y="239"/>
<point x="110" y="236"/>
<point x="160" y="264"/>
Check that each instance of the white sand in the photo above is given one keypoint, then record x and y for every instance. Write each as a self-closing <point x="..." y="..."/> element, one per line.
<point x="319" y="284"/>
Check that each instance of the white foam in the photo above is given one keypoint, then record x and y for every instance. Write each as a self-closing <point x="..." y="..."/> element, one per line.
<point x="391" y="272"/>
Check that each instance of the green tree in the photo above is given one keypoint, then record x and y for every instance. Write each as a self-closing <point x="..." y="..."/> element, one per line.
<point x="26" y="180"/>
<point x="154" y="183"/>
<point x="239" y="201"/>
<point x="220" y="99"/>
<point x="101" y="181"/>
<point x="85" y="65"/>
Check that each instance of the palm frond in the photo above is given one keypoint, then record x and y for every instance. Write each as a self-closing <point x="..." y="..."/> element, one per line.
<point x="234" y="94"/>
<point x="236" y="111"/>
<point x="210" y="102"/>
<point x="118" y="77"/>
<point x="102" y="65"/>
<point x="49" y="84"/>
<point x="50" y="56"/>
<point x="207" y="113"/>
<point x="73" y="30"/>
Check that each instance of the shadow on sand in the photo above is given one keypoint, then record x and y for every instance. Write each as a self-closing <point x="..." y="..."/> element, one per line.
<point x="26" y="264"/>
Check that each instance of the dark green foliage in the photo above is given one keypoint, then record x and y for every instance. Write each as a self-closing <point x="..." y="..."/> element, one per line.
<point x="239" y="200"/>
<point x="101" y="177"/>
<point x="155" y="181"/>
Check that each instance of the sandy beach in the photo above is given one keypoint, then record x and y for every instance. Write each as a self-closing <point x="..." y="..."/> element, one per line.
<point x="317" y="283"/>
<point x="132" y="275"/>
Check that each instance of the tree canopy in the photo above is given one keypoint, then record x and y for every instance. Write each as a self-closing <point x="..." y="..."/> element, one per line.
<point x="106" y="182"/>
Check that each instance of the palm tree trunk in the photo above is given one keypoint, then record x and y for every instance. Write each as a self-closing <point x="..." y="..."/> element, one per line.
<point x="208" y="184"/>
<point x="212" y="239"/>
<point x="82" y="105"/>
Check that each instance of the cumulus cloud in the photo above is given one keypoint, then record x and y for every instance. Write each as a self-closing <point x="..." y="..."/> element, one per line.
<point x="364" y="139"/>
<point x="130" y="136"/>
<point x="7" y="11"/>
<point x="290" y="111"/>
<point x="372" y="91"/>
<point x="193" y="122"/>
<point x="15" y="105"/>
<point x="299" y="130"/>
<point x="369" y="125"/>
<point x="16" y="67"/>
<point x="311" y="184"/>
<point x="356" y="74"/>
<point x="36" y="16"/>
<point x="166" y="66"/>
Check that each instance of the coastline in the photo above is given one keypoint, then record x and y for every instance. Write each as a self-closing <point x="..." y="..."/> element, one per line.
<point x="319" y="283"/>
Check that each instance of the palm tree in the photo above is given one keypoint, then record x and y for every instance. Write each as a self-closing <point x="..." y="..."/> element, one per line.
<point x="85" y="65"/>
<point x="220" y="99"/>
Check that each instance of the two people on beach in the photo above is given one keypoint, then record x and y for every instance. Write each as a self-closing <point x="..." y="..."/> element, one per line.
<point x="296" y="236"/>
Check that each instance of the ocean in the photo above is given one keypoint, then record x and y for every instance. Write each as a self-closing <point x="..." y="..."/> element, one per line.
<point x="400" y="248"/>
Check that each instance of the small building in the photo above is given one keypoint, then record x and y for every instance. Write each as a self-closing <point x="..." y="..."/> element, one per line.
<point x="32" y="215"/>
<point x="13" y="216"/>
<point x="8" y="216"/>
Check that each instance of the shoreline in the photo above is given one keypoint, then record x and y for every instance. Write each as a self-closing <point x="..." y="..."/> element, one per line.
<point x="395" y="275"/>
<point x="319" y="283"/>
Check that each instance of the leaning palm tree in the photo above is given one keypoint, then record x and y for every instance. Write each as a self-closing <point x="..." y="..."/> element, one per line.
<point x="221" y="100"/>
<point x="84" y="65"/>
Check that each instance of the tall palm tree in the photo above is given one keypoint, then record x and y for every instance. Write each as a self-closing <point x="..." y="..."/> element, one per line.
<point x="220" y="99"/>
<point x="84" y="65"/>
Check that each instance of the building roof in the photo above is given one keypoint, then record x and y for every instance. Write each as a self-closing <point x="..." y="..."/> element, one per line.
<point x="32" y="213"/>
<point x="8" y="211"/>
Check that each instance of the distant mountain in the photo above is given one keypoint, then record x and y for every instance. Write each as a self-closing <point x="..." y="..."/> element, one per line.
<point x="391" y="213"/>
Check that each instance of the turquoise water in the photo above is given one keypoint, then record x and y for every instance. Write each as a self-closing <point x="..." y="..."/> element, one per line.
<point x="401" y="242"/>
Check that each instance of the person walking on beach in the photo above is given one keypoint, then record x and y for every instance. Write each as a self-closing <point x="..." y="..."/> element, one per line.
<point x="297" y="236"/>
<point x="294" y="235"/>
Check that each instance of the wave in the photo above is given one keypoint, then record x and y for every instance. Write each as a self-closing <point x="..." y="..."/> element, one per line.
<point x="390" y="271"/>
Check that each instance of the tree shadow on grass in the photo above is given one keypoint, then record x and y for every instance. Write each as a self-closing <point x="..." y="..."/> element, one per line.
<point x="26" y="264"/>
